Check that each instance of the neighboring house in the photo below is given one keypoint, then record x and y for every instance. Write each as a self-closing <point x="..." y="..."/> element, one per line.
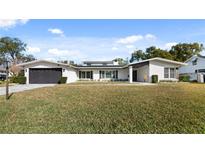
<point x="41" y="71"/>
<point x="195" y="66"/>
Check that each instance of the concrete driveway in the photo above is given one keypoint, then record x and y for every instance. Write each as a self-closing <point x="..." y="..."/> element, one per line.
<point x="18" y="88"/>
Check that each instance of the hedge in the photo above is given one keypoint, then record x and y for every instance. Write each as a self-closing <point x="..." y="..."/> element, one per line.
<point x="154" y="78"/>
<point x="62" y="80"/>
<point x="18" y="79"/>
<point x="184" y="78"/>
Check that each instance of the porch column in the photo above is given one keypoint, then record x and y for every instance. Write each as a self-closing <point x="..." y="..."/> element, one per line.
<point x="130" y="74"/>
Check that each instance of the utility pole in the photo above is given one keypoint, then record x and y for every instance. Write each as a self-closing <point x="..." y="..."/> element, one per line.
<point x="7" y="80"/>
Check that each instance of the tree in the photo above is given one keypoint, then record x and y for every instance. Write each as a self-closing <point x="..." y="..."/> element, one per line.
<point x="120" y="60"/>
<point x="26" y="58"/>
<point x="12" y="48"/>
<point x="150" y="52"/>
<point x="153" y="52"/>
<point x="183" y="51"/>
<point x="138" y="55"/>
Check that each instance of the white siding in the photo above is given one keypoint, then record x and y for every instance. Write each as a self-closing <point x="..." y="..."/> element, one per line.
<point x="190" y="68"/>
<point x="157" y="68"/>
<point x="96" y="75"/>
<point x="142" y="73"/>
<point x="122" y="73"/>
<point x="70" y="73"/>
<point x="26" y="74"/>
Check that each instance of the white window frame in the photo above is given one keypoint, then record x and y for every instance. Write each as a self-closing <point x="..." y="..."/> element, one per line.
<point x="169" y="73"/>
<point x="174" y="73"/>
<point x="166" y="73"/>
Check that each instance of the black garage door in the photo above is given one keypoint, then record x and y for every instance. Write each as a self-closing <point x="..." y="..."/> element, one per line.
<point x="44" y="75"/>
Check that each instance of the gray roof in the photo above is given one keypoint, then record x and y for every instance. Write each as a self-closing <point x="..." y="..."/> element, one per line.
<point x="101" y="66"/>
<point x="201" y="56"/>
<point x="159" y="59"/>
<point x="98" y="62"/>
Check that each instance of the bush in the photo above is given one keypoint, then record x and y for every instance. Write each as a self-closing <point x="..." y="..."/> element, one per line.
<point x="18" y="79"/>
<point x="154" y="78"/>
<point x="184" y="78"/>
<point x="168" y="81"/>
<point x="62" y="80"/>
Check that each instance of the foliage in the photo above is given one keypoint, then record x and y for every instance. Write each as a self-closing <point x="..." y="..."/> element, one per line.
<point x="183" y="51"/>
<point x="153" y="52"/>
<point x="62" y="80"/>
<point x="154" y="78"/>
<point x="150" y="52"/>
<point x="184" y="78"/>
<point x="120" y="61"/>
<point x="15" y="70"/>
<point x="12" y="49"/>
<point x="138" y="55"/>
<point x="18" y="79"/>
<point x="180" y="52"/>
<point x="27" y="58"/>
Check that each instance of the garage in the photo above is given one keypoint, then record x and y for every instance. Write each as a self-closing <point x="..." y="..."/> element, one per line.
<point x="44" y="75"/>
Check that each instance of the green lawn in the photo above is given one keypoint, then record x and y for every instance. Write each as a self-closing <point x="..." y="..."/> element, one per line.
<point x="106" y="108"/>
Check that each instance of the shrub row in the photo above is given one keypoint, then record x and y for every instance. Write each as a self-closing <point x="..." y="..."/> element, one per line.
<point x="184" y="78"/>
<point x="18" y="79"/>
<point x="62" y="80"/>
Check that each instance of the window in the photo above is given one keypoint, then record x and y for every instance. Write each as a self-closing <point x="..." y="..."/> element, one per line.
<point x="83" y="75"/>
<point x="169" y="73"/>
<point x="172" y="75"/>
<point x="91" y="74"/>
<point x="102" y="74"/>
<point x="194" y="62"/>
<point x="109" y="74"/>
<point x="80" y="74"/>
<point x="166" y="72"/>
<point x="86" y="74"/>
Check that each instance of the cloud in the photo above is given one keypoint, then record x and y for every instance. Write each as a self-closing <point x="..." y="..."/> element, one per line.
<point x="130" y="39"/>
<point x="33" y="50"/>
<point x="150" y="37"/>
<point x="130" y="46"/>
<point x="65" y="53"/>
<point x="10" y="23"/>
<point x="114" y="48"/>
<point x="170" y="44"/>
<point x="56" y="31"/>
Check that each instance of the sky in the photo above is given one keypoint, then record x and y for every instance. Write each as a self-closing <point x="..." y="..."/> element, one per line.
<point x="81" y="40"/>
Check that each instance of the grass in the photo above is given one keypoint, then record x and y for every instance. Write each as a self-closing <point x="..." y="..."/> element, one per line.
<point x="3" y="83"/>
<point x="106" y="108"/>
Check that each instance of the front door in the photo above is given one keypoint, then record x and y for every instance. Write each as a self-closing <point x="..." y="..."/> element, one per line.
<point x="134" y="74"/>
